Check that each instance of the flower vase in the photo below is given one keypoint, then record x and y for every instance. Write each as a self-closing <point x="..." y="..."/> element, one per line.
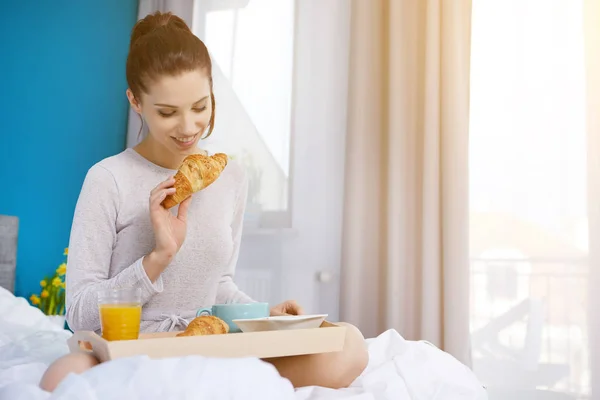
<point x="58" y="320"/>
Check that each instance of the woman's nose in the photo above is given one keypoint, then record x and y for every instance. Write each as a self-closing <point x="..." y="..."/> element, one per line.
<point x="188" y="125"/>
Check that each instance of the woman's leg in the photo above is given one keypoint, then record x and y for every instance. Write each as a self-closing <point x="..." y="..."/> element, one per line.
<point x="71" y="363"/>
<point x="333" y="370"/>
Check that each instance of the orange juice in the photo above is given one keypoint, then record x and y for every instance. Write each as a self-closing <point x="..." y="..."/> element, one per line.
<point x="120" y="321"/>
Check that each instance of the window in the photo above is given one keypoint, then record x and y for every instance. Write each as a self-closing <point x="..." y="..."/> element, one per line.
<point x="528" y="211"/>
<point x="252" y="46"/>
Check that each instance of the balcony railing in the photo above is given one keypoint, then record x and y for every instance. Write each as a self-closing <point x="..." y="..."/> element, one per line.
<point x="529" y="324"/>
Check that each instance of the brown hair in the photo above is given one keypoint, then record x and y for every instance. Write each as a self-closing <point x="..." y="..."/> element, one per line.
<point x="163" y="44"/>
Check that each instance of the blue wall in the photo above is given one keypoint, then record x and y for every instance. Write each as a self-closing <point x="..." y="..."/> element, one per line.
<point x="62" y="108"/>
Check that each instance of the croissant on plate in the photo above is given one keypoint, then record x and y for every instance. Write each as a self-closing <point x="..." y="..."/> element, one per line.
<point x="195" y="173"/>
<point x="205" y="325"/>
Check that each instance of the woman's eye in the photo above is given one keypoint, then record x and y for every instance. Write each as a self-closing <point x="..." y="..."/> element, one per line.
<point x="199" y="110"/>
<point x="165" y="114"/>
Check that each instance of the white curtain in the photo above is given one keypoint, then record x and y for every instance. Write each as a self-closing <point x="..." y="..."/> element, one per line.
<point x="405" y="244"/>
<point x="181" y="8"/>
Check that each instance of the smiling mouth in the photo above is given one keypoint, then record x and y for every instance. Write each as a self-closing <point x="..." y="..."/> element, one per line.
<point x="185" y="140"/>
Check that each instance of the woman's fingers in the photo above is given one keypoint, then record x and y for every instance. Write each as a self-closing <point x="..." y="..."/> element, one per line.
<point x="163" y="185"/>
<point x="157" y="197"/>
<point x="289" y="307"/>
<point x="299" y="310"/>
<point x="294" y="308"/>
<point x="161" y="194"/>
<point x="183" y="209"/>
<point x="162" y="190"/>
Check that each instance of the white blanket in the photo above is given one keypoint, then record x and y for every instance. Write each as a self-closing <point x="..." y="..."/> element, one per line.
<point x="398" y="370"/>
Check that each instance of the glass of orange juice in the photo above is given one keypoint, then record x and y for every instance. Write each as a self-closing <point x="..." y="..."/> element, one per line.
<point x="120" y="313"/>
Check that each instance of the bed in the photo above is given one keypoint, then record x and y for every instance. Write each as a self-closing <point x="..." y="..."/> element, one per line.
<point x="398" y="369"/>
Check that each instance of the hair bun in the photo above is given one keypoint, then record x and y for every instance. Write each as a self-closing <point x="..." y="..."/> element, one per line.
<point x="155" y="21"/>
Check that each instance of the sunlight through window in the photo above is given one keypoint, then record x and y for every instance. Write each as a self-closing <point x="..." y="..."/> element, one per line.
<point x="528" y="211"/>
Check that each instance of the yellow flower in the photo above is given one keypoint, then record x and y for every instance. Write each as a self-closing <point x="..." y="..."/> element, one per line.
<point x="43" y="283"/>
<point x="63" y="285"/>
<point x="62" y="269"/>
<point x="44" y="294"/>
<point x="56" y="282"/>
<point x="34" y="299"/>
<point x="66" y="253"/>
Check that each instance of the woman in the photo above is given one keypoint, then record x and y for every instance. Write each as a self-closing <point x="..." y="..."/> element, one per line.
<point x="123" y="237"/>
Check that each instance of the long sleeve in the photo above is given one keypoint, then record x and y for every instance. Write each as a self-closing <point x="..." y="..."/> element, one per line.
<point x="228" y="292"/>
<point x="91" y="244"/>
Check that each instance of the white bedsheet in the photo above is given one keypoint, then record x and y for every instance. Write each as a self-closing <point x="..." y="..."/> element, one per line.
<point x="398" y="369"/>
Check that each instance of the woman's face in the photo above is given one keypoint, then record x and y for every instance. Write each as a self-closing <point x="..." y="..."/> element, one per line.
<point x="177" y="110"/>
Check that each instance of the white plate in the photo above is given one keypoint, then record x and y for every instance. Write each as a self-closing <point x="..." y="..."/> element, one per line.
<point x="280" y="323"/>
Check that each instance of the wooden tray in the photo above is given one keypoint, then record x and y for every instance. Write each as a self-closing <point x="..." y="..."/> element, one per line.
<point x="327" y="338"/>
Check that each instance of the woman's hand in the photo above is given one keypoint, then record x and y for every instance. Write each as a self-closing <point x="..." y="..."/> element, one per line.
<point x="169" y="230"/>
<point x="287" y="307"/>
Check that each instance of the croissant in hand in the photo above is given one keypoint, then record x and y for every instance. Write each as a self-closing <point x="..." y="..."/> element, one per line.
<point x="205" y="325"/>
<point x="196" y="172"/>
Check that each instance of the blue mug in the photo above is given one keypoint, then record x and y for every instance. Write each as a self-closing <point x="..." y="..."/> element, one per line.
<point x="229" y="312"/>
